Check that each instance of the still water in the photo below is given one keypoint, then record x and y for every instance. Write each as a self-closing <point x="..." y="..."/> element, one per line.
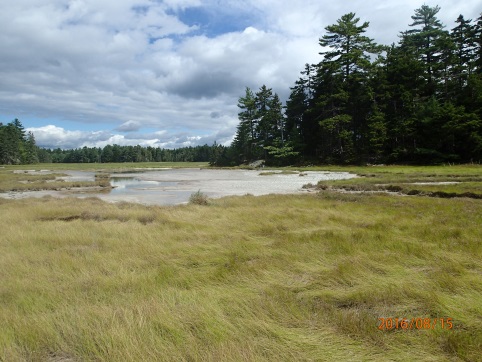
<point x="174" y="186"/>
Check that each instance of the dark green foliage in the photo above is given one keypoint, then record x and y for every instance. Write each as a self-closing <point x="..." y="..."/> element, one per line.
<point x="477" y="34"/>
<point x="463" y="36"/>
<point x="244" y="141"/>
<point x="30" y="149"/>
<point x="427" y="40"/>
<point x="215" y="154"/>
<point x="16" y="147"/>
<point x="261" y="131"/>
<point x="349" y="49"/>
<point x="418" y="101"/>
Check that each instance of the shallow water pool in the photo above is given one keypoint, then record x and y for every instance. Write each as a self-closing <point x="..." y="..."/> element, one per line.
<point x="174" y="186"/>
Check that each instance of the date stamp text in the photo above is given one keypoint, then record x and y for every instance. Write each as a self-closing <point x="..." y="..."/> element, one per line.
<point x="388" y="324"/>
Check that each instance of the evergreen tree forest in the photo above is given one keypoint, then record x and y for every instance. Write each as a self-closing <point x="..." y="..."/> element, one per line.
<point x="418" y="101"/>
<point x="19" y="147"/>
<point x="116" y="153"/>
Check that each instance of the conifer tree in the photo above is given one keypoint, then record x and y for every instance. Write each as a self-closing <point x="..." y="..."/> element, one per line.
<point x="426" y="39"/>
<point x="14" y="143"/>
<point x="246" y="132"/>
<point x="478" y="45"/>
<point x="342" y="103"/>
<point x="349" y="48"/>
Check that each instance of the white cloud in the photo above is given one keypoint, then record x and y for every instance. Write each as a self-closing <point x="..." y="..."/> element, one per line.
<point x="129" y="126"/>
<point x="56" y="137"/>
<point x="51" y="136"/>
<point x="114" y="61"/>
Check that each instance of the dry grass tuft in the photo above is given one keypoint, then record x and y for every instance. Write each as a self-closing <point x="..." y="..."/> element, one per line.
<point x="199" y="198"/>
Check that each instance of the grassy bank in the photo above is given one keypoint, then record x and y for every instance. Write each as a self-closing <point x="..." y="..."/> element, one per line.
<point x="439" y="181"/>
<point x="303" y="277"/>
<point x="20" y="178"/>
<point x="24" y="181"/>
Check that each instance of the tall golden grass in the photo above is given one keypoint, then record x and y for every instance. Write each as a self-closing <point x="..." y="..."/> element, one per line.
<point x="272" y="278"/>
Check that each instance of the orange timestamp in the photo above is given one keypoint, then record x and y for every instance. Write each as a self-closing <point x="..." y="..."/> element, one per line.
<point x="387" y="324"/>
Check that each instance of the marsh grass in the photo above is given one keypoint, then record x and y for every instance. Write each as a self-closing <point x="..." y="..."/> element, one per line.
<point x="464" y="181"/>
<point x="275" y="278"/>
<point x="10" y="181"/>
<point x="107" y="167"/>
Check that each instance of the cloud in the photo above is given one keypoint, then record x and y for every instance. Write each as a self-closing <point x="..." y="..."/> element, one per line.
<point x="129" y="126"/>
<point x="56" y="137"/>
<point x="53" y="137"/>
<point x="164" y="64"/>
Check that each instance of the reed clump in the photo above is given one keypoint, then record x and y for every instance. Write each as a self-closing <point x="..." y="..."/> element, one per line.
<point x="199" y="198"/>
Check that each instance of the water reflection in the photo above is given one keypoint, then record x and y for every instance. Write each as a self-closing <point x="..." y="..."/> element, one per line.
<point x="124" y="184"/>
<point x="134" y="189"/>
<point x="174" y="186"/>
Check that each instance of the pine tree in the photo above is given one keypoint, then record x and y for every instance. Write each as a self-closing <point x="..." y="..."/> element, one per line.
<point x="349" y="47"/>
<point x="478" y="45"/>
<point x="12" y="140"/>
<point x="302" y="129"/>
<point x="463" y="36"/>
<point x="31" y="155"/>
<point x="398" y="88"/>
<point x="342" y="104"/>
<point x="426" y="40"/>
<point x="244" y="141"/>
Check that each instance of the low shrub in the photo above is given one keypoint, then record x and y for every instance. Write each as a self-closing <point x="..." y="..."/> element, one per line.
<point x="198" y="198"/>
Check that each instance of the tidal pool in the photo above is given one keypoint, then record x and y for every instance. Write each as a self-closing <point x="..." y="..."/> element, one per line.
<point x="174" y="186"/>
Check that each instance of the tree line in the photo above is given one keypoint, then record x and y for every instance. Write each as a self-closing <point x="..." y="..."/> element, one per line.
<point x="116" y="153"/>
<point x="418" y="101"/>
<point x="19" y="147"/>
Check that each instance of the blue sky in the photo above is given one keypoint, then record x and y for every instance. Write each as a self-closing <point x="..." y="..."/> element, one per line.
<point x="212" y="21"/>
<point x="166" y="73"/>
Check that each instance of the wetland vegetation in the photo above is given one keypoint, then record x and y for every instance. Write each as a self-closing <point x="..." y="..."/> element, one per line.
<point x="276" y="277"/>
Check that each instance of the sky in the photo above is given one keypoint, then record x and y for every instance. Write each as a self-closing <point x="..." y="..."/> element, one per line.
<point x="167" y="73"/>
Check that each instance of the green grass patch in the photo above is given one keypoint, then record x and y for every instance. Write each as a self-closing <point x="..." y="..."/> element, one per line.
<point x="437" y="181"/>
<point x="11" y="181"/>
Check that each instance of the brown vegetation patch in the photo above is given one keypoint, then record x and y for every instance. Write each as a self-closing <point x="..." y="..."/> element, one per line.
<point x="90" y="216"/>
<point x="82" y="216"/>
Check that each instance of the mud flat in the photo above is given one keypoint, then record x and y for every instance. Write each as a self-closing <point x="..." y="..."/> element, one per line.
<point x="174" y="186"/>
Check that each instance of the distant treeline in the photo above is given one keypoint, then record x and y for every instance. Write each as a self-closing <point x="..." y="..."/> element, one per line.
<point x="116" y="153"/>
<point x="18" y="147"/>
<point x="419" y="101"/>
